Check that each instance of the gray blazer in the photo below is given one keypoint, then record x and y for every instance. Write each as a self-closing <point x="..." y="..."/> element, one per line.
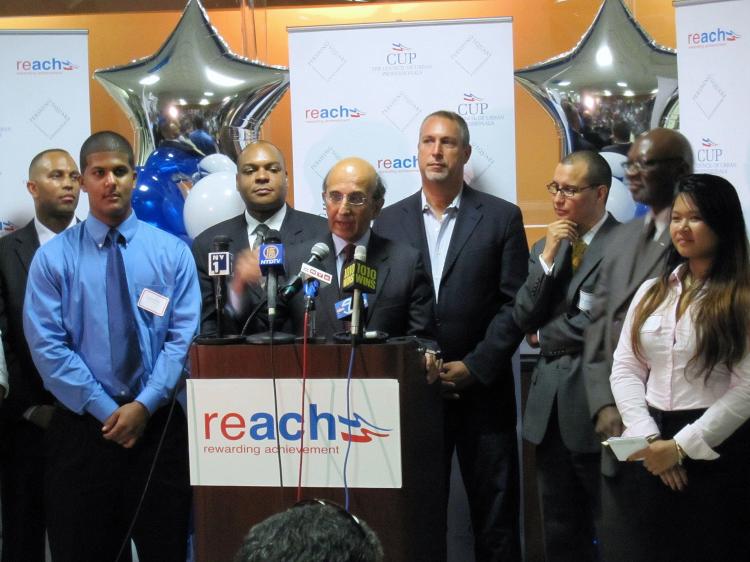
<point x="551" y="305"/>
<point x="630" y="261"/>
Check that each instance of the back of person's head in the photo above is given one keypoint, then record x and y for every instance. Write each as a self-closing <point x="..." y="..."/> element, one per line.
<point x="620" y="131"/>
<point x="312" y="531"/>
<point x="106" y="141"/>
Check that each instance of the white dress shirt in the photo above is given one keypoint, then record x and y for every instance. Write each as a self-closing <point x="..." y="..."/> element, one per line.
<point x="439" y="232"/>
<point x="45" y="234"/>
<point x="665" y="379"/>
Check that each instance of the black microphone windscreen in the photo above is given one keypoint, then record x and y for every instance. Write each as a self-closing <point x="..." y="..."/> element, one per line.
<point x="220" y="243"/>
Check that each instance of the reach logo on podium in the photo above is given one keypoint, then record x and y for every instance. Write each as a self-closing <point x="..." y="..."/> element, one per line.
<point x="237" y="438"/>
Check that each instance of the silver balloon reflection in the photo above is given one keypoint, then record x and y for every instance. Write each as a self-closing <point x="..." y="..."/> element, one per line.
<point x="616" y="73"/>
<point x="195" y="91"/>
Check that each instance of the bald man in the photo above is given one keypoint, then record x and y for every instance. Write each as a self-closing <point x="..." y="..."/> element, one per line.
<point x="636" y="252"/>
<point x="53" y="185"/>
<point x="263" y="183"/>
<point x="353" y="195"/>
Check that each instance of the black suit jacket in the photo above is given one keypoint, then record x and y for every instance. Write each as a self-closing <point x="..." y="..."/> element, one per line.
<point x="401" y="305"/>
<point x="297" y="226"/>
<point x="26" y="389"/>
<point x="484" y="268"/>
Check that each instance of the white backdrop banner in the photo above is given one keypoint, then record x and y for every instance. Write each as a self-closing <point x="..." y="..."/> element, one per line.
<point x="713" y="47"/>
<point x="44" y="103"/>
<point x="364" y="90"/>
<point x="232" y="433"/>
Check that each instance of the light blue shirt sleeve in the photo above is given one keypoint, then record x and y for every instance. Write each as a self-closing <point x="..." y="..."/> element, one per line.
<point x="63" y="371"/>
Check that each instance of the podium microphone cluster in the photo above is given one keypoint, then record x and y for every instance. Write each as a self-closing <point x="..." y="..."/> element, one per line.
<point x="358" y="278"/>
<point x="220" y="268"/>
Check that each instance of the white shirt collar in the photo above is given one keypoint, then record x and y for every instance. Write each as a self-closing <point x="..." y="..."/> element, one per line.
<point x="589" y="236"/>
<point x="339" y="243"/>
<point x="274" y="221"/>
<point x="45" y="234"/>
<point x="660" y="220"/>
<point x="452" y="207"/>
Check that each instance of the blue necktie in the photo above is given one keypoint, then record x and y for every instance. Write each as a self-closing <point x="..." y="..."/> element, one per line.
<point x="123" y="335"/>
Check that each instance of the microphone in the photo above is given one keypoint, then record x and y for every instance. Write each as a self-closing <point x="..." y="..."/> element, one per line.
<point x="358" y="278"/>
<point x="220" y="268"/>
<point x="271" y="261"/>
<point x="318" y="253"/>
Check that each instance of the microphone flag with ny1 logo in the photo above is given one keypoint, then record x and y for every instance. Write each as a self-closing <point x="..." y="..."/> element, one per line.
<point x="219" y="264"/>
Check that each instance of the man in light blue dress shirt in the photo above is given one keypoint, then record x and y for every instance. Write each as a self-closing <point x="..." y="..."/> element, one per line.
<point x="107" y="428"/>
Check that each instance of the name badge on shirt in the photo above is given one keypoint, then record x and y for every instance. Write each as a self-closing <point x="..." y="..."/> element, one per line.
<point x="153" y="302"/>
<point x="651" y="324"/>
<point x="585" y="301"/>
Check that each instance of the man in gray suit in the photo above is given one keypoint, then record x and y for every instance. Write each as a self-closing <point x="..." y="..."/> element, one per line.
<point x="262" y="181"/>
<point x="655" y="162"/>
<point x="552" y="307"/>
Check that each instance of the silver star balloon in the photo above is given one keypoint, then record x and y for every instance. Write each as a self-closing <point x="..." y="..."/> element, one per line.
<point x="195" y="91"/>
<point x="616" y="73"/>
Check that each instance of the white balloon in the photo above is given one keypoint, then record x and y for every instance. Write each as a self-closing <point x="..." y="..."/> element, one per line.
<point x="615" y="160"/>
<point x="216" y="163"/>
<point x="620" y="203"/>
<point x="210" y="201"/>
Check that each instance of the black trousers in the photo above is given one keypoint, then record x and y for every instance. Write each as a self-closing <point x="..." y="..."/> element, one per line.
<point x="709" y="520"/>
<point x="488" y="457"/>
<point x="21" y="474"/>
<point x="570" y="500"/>
<point x="92" y="489"/>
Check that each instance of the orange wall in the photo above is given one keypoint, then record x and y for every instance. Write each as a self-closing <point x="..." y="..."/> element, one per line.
<point x="542" y="29"/>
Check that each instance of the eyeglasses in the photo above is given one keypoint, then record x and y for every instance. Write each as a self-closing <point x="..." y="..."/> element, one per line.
<point x="645" y="165"/>
<point x="355" y="198"/>
<point x="338" y="508"/>
<point x="569" y="190"/>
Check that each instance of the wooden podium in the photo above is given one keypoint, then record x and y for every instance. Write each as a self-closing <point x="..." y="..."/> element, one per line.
<point x="410" y="521"/>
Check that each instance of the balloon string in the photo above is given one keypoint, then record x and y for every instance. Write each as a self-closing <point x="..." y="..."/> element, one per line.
<point x="243" y="28"/>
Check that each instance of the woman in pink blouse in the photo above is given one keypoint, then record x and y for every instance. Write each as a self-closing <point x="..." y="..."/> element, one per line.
<point x="681" y="376"/>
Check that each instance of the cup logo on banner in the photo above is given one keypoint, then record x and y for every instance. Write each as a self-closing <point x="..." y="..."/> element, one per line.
<point x="711" y="157"/>
<point x="236" y="437"/>
<point x="400" y="60"/>
<point x="718" y="37"/>
<point x="477" y="111"/>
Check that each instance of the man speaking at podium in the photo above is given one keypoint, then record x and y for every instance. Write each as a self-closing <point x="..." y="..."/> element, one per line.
<point x="402" y="303"/>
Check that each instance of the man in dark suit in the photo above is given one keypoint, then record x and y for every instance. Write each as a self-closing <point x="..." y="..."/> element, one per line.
<point x="402" y="303"/>
<point x="552" y="307"/>
<point x="53" y="184"/>
<point x="475" y="248"/>
<point x="636" y="253"/>
<point x="262" y="180"/>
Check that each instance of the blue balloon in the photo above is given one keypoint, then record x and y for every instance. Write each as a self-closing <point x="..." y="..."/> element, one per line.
<point x="157" y="198"/>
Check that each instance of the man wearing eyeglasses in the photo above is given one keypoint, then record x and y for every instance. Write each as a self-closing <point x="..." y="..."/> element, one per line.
<point x="262" y="181"/>
<point x="402" y="304"/>
<point x="656" y="161"/>
<point x="553" y="308"/>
